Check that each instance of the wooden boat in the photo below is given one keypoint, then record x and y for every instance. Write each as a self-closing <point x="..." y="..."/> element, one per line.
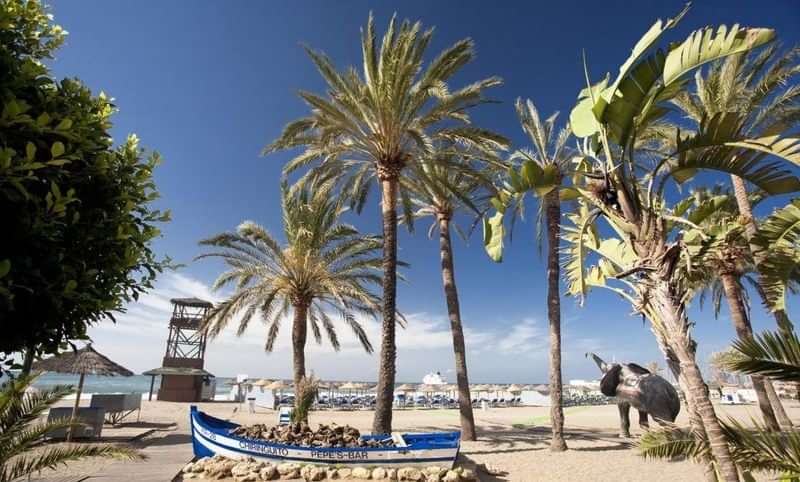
<point x="211" y="436"/>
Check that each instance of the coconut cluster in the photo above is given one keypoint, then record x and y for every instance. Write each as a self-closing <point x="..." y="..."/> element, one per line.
<point x="301" y="435"/>
<point x="251" y="470"/>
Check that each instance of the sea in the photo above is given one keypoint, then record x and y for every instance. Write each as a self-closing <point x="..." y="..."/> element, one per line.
<point x="101" y="384"/>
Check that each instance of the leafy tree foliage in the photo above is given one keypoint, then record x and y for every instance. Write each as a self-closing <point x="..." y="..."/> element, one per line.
<point x="77" y="214"/>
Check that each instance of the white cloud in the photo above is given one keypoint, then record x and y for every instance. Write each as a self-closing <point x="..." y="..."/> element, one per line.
<point x="498" y="350"/>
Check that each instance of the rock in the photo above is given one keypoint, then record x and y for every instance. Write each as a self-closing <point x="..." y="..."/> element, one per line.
<point x="409" y="473"/>
<point x="190" y="475"/>
<point x="451" y="476"/>
<point x="188" y="468"/>
<point x="361" y="473"/>
<point x="379" y="474"/>
<point x="345" y="473"/>
<point x="391" y="474"/>
<point x="268" y="472"/>
<point x="312" y="472"/>
<point x="301" y="434"/>
<point x="331" y="474"/>
<point x="219" y="468"/>
<point x="469" y="475"/>
<point x="249" y="477"/>
<point x="240" y="469"/>
<point x="287" y="467"/>
<point x="435" y="471"/>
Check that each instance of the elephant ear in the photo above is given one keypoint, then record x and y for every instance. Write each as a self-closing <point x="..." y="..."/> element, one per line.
<point x="638" y="369"/>
<point x="608" y="385"/>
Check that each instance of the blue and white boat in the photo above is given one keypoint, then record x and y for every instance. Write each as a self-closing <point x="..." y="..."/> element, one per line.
<point x="211" y="436"/>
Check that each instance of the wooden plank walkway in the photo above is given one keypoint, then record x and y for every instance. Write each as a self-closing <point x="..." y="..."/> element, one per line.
<point x="166" y="456"/>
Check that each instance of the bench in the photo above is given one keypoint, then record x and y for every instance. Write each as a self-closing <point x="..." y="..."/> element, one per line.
<point x="118" y="406"/>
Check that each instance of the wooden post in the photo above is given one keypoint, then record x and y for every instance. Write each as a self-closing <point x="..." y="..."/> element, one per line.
<point x="152" y="382"/>
<point x="75" y="407"/>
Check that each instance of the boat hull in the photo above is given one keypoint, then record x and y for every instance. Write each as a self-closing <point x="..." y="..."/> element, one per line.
<point x="211" y="436"/>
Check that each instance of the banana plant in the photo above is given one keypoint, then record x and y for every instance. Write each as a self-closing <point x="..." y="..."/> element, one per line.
<point x="641" y="251"/>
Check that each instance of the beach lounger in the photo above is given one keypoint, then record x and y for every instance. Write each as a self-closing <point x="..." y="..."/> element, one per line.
<point x="118" y="406"/>
<point x="90" y="420"/>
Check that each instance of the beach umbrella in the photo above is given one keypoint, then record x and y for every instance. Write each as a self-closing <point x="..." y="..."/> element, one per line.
<point x="406" y="387"/>
<point x="514" y="388"/>
<point x="278" y="385"/>
<point x="86" y="361"/>
<point x="262" y="383"/>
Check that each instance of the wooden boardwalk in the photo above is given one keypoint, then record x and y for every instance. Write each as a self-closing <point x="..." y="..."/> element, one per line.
<point x="166" y="456"/>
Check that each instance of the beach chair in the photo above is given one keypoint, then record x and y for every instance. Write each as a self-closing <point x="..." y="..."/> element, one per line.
<point x="90" y="420"/>
<point x="118" y="406"/>
<point x="285" y="416"/>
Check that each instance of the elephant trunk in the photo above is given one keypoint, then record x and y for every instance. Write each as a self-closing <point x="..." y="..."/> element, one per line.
<point x="603" y="366"/>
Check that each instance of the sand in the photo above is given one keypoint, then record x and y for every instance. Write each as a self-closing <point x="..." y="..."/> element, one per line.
<point x="513" y="439"/>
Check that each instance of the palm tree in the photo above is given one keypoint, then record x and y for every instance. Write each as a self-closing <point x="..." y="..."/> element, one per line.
<point x="20" y="433"/>
<point x="440" y="192"/>
<point x="373" y="125"/>
<point x="543" y="171"/>
<point x="326" y="266"/>
<point x="725" y="262"/>
<point x="757" y="87"/>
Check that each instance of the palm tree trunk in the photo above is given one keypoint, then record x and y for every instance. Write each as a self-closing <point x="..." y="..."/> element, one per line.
<point x="382" y="423"/>
<point x="781" y="318"/>
<point x="553" y="213"/>
<point x="671" y="317"/>
<point x="454" y="313"/>
<point x="27" y="360"/>
<point x="733" y="294"/>
<point x="695" y="422"/>
<point x="299" y="331"/>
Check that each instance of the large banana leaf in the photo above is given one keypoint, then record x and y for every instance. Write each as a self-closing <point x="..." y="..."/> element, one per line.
<point x="493" y="232"/>
<point x="778" y="239"/>
<point x="704" y="46"/>
<point x="642" y="83"/>
<point x="592" y="105"/>
<point x="577" y="235"/>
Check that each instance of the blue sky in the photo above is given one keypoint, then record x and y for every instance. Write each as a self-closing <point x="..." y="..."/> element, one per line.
<point x="208" y="84"/>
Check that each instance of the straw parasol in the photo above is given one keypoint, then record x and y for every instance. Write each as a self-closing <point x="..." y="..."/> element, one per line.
<point x="277" y="385"/>
<point x="406" y="387"/>
<point x="348" y="386"/>
<point x="514" y="388"/>
<point x="86" y="361"/>
<point x="262" y="383"/>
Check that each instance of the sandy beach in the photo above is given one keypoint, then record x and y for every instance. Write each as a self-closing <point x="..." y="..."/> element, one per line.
<point x="513" y="439"/>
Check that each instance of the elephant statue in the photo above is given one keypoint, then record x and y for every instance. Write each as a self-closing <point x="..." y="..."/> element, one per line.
<point x="634" y="385"/>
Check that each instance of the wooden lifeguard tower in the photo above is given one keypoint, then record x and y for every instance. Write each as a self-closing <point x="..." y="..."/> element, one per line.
<point x="182" y="372"/>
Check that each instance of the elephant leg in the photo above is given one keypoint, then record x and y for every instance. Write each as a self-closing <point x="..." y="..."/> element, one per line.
<point x="624" y="419"/>
<point x="644" y="424"/>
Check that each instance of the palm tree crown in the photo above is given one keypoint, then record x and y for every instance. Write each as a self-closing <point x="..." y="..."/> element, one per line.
<point x="325" y="266"/>
<point x="390" y="116"/>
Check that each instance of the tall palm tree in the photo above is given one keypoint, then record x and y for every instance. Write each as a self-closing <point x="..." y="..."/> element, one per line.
<point x="440" y="192"/>
<point x="326" y="266"/>
<point x="374" y="124"/>
<point x="20" y="433"/>
<point x="725" y="263"/>
<point x="552" y="157"/>
<point x="758" y="88"/>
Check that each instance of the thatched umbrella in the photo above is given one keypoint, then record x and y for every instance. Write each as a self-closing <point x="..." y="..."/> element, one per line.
<point x="85" y="361"/>
<point x="514" y="389"/>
